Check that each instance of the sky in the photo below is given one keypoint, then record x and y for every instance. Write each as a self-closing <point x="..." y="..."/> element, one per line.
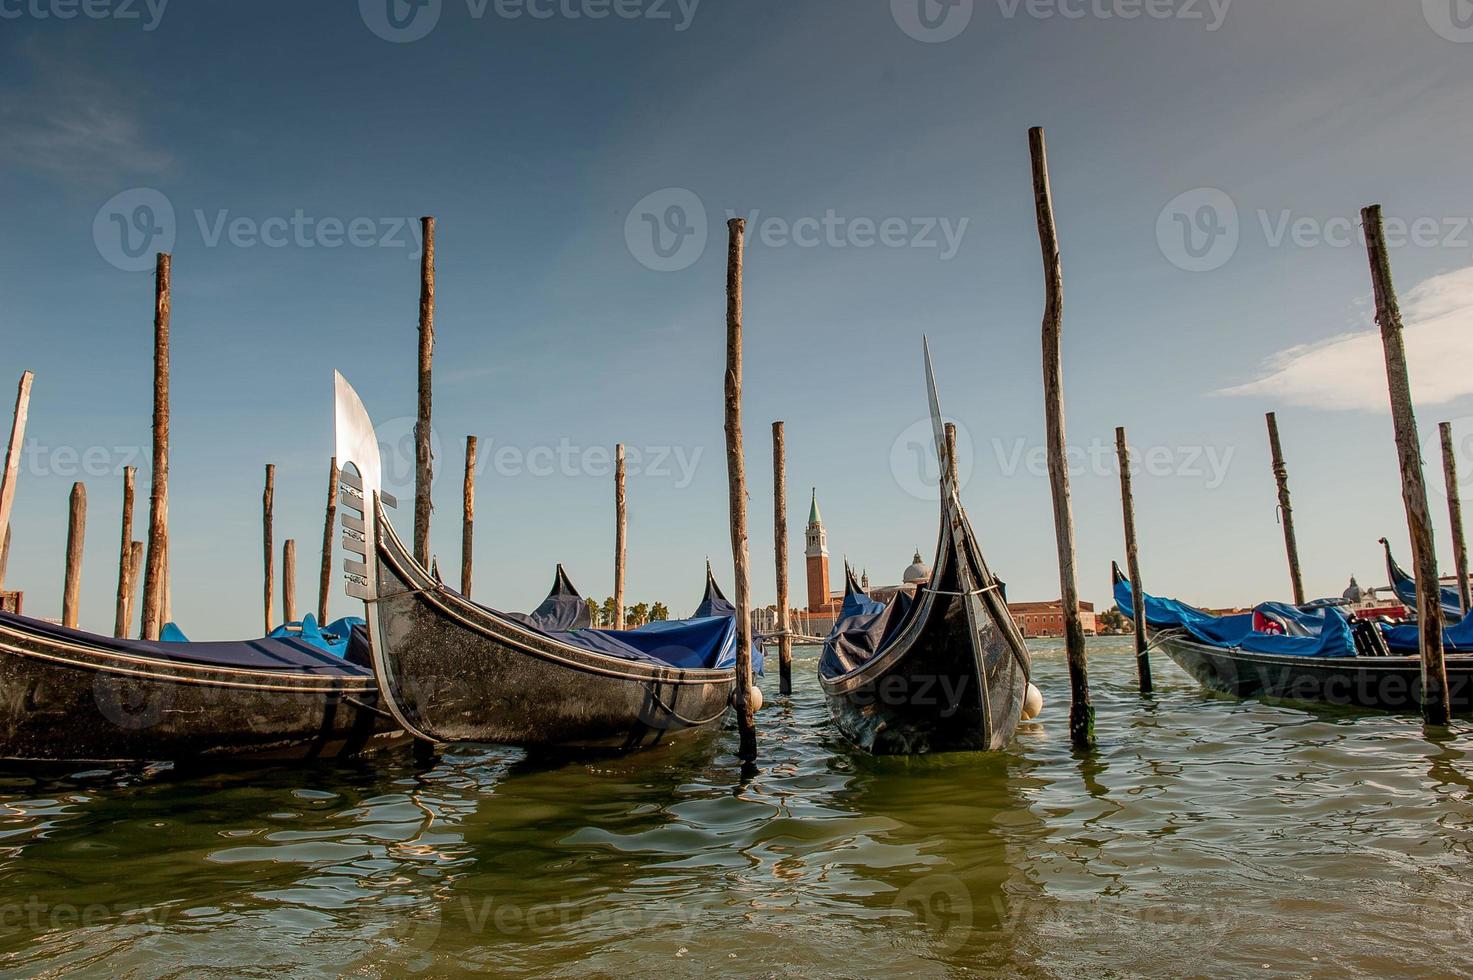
<point x="1209" y="162"/>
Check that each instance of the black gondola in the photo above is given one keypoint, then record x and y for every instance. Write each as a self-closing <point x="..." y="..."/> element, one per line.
<point x="71" y="696"/>
<point x="1405" y="587"/>
<point x="1356" y="669"/>
<point x="946" y="670"/>
<point x="451" y="670"/>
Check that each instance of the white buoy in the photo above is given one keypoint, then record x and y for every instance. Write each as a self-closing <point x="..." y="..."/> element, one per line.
<point x="754" y="694"/>
<point x="1032" y="703"/>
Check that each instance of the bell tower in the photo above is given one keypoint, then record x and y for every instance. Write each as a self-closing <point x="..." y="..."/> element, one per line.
<point x="817" y="554"/>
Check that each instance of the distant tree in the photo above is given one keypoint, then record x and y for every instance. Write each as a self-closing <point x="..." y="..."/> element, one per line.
<point x="638" y="614"/>
<point x="608" y="612"/>
<point x="593" y="611"/>
<point x="1112" y="621"/>
<point x="659" y="613"/>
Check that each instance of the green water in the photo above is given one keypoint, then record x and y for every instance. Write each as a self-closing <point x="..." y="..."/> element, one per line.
<point x="1206" y="836"/>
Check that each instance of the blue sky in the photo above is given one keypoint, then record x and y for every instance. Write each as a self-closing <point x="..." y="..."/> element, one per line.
<point x="1209" y="163"/>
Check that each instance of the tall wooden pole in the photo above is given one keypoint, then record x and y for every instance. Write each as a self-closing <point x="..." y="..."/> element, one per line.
<point x="951" y="453"/>
<point x="1286" y="509"/>
<point x="121" y="618"/>
<point x="1132" y="560"/>
<point x="468" y="516"/>
<point x="4" y="552"/>
<point x="423" y="464"/>
<point x="324" y="584"/>
<point x="1455" y="514"/>
<point x="1413" y="489"/>
<point x="76" y="530"/>
<point x="135" y="581"/>
<point x="621" y="534"/>
<point x="780" y="551"/>
<point x="1081" y="711"/>
<point x="11" y="473"/>
<point x="737" y="490"/>
<point x="158" y="492"/>
<point x="289" y="581"/>
<point x="268" y="549"/>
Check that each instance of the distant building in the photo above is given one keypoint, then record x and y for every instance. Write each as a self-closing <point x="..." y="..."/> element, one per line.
<point x="1044" y="619"/>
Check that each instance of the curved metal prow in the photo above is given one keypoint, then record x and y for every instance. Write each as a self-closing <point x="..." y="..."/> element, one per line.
<point x="362" y="491"/>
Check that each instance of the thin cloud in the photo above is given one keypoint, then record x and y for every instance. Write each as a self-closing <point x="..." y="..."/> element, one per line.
<point x="1348" y="372"/>
<point x="69" y="124"/>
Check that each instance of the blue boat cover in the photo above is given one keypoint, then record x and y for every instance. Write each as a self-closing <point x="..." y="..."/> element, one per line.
<point x="1405" y="588"/>
<point x="714" y="603"/>
<point x="1407" y="638"/>
<point x="1323" y="632"/>
<point x="334" y="638"/>
<point x="704" y="643"/>
<point x="864" y="628"/>
<point x="288" y="655"/>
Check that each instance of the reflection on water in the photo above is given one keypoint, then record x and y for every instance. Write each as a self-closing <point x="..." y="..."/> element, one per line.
<point x="1205" y="835"/>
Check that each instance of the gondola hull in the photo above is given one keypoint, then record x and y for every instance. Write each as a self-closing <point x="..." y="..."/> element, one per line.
<point x="1382" y="683"/>
<point x="67" y="702"/>
<point x="460" y="674"/>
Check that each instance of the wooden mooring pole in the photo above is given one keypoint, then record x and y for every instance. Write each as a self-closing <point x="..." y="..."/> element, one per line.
<point x="621" y="535"/>
<point x="1455" y="513"/>
<point x="329" y="525"/>
<point x="268" y="549"/>
<point x="121" y="618"/>
<point x="158" y="491"/>
<point x="468" y="516"/>
<point x="1081" y="711"/>
<point x="1286" y="509"/>
<point x="737" y="491"/>
<point x="780" y="553"/>
<point x="1413" y="487"/>
<point x="76" y="531"/>
<point x="289" y="581"/>
<point x="1132" y="561"/>
<point x="423" y="463"/>
<point x="951" y="466"/>
<point x="135" y="581"/>
<point x="11" y="472"/>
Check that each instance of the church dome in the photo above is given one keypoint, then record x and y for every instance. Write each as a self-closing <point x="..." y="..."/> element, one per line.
<point x="1354" y="592"/>
<point x="918" y="573"/>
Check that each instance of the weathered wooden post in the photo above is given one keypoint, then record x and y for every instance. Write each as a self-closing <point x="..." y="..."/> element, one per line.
<point x="1132" y="561"/>
<point x="324" y="584"/>
<point x="780" y="551"/>
<point x="4" y="552"/>
<point x="268" y="550"/>
<point x="1413" y="488"/>
<point x="1081" y="711"/>
<point x="1286" y="510"/>
<point x="158" y="479"/>
<point x="951" y="464"/>
<point x="468" y="516"/>
<point x="120" y="616"/>
<point x="135" y="580"/>
<point x="1455" y="514"/>
<point x="288" y="581"/>
<point x="737" y="491"/>
<point x="76" y="530"/>
<point x="621" y="535"/>
<point x="423" y="464"/>
<point x="11" y="473"/>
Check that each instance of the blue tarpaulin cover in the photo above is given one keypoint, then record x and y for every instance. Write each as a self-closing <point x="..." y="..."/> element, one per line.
<point x="1309" y="633"/>
<point x="1407" y="638"/>
<point x="333" y="638"/>
<point x="288" y="654"/>
<point x="864" y="628"/>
